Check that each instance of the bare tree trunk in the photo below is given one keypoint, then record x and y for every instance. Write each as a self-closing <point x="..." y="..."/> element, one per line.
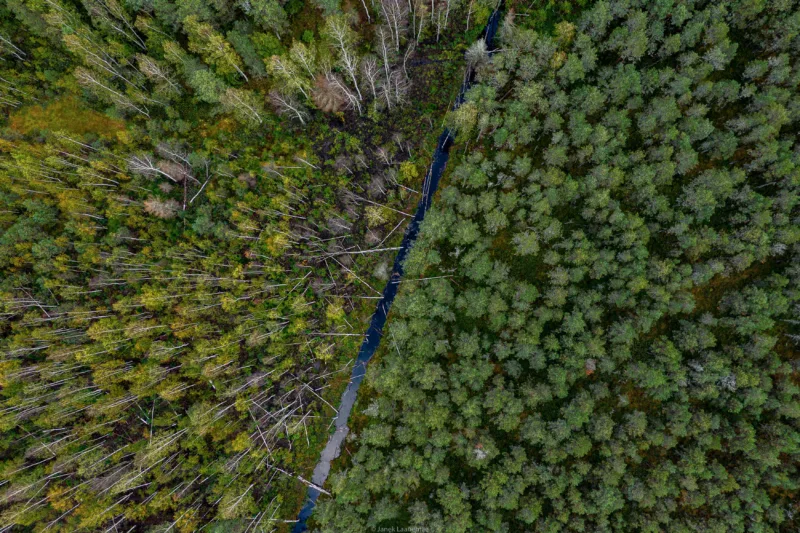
<point x="369" y="19"/>
<point x="15" y="51"/>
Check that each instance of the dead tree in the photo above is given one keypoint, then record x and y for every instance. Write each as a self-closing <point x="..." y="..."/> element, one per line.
<point x="285" y="104"/>
<point x="370" y="71"/>
<point x="7" y="45"/>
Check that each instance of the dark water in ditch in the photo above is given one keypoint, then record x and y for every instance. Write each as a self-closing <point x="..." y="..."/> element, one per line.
<point x="375" y="330"/>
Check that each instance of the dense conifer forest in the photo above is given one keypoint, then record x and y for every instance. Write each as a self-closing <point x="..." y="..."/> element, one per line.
<point x="598" y="326"/>
<point x="609" y="341"/>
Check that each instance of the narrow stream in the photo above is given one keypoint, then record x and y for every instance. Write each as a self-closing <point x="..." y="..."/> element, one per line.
<point x="375" y="330"/>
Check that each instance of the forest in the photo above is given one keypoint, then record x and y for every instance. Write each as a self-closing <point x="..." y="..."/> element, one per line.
<point x="597" y="328"/>
<point x="199" y="204"/>
<point x="607" y="337"/>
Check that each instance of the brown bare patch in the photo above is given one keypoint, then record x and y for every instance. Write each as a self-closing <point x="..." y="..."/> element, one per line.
<point x="326" y="97"/>
<point x="64" y="114"/>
